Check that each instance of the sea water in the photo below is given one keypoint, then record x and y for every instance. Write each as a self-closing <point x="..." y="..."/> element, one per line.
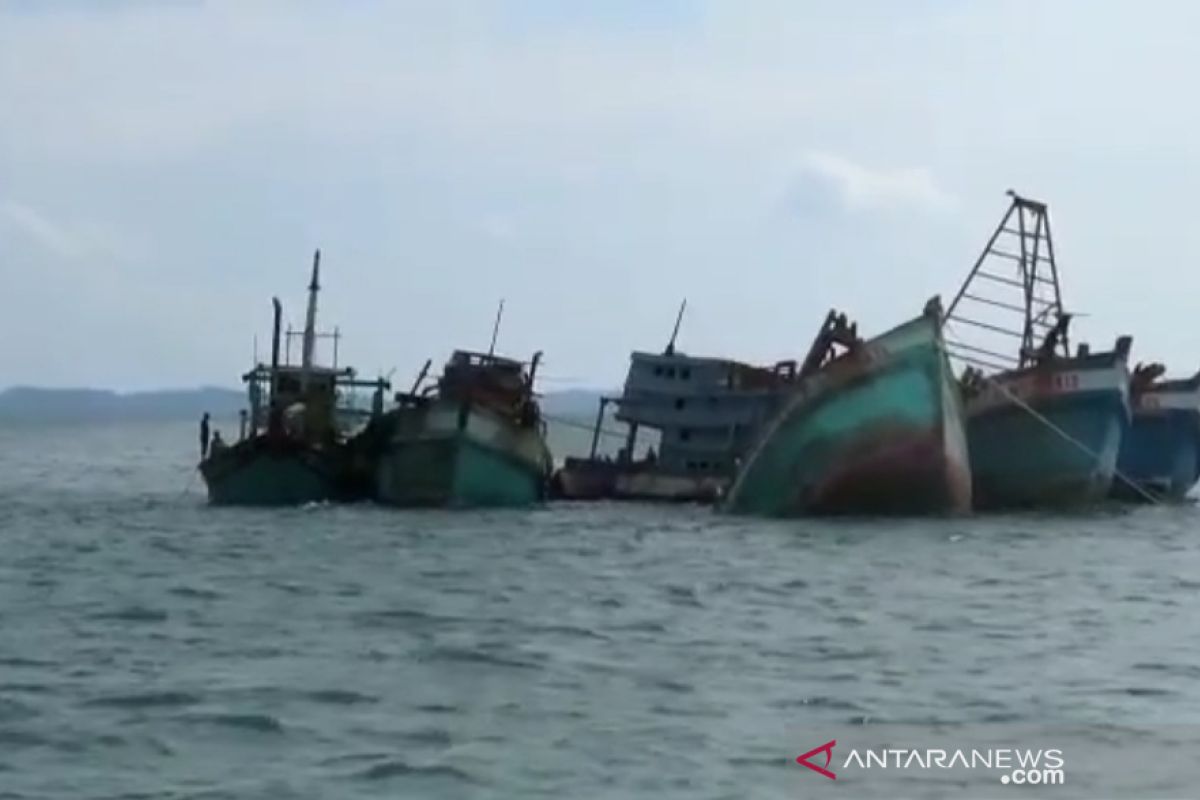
<point x="152" y="646"/>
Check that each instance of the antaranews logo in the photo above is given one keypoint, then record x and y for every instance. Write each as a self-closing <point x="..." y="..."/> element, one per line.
<point x="827" y="749"/>
<point x="1020" y="766"/>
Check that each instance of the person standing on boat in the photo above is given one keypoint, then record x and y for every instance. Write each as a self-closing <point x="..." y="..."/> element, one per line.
<point x="204" y="436"/>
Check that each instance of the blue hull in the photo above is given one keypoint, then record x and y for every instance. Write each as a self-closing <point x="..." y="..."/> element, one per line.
<point x="1160" y="454"/>
<point x="263" y="472"/>
<point x="1018" y="460"/>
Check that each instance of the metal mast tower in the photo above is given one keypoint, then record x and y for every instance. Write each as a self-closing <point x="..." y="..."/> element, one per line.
<point x="1013" y="292"/>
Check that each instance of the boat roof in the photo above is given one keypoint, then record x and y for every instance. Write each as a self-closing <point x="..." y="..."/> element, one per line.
<point x="296" y="369"/>
<point x="677" y="359"/>
<point x="485" y="358"/>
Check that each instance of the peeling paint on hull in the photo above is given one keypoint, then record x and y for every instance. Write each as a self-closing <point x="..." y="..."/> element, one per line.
<point x="901" y="471"/>
<point x="878" y="431"/>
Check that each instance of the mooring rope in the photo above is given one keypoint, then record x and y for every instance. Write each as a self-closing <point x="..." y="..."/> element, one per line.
<point x="1017" y="401"/>
<point x="187" y="487"/>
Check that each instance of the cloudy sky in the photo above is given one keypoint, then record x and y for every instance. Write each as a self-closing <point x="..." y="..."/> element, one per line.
<point x="165" y="167"/>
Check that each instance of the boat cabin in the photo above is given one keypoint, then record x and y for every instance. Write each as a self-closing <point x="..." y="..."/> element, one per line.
<point x="307" y="399"/>
<point x="707" y="411"/>
<point x="467" y="370"/>
<point x="501" y="384"/>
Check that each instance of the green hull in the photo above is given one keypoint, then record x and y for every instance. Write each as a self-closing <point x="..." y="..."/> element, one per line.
<point x="443" y="456"/>
<point x="877" y="432"/>
<point x="259" y="473"/>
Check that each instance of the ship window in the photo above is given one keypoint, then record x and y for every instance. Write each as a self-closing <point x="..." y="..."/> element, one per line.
<point x="671" y="372"/>
<point x="685" y="434"/>
<point x="685" y="373"/>
<point x="680" y="403"/>
<point x="658" y="371"/>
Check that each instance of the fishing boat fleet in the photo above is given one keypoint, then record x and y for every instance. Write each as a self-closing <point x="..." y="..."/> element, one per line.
<point x="921" y="419"/>
<point x="472" y="437"/>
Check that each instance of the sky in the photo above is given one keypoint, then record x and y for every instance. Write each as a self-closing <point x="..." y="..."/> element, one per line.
<point x="167" y="167"/>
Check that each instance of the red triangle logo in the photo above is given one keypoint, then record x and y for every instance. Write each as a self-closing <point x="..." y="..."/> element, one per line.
<point x="827" y="749"/>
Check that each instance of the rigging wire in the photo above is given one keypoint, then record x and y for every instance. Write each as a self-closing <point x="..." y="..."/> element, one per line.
<point x="571" y="423"/>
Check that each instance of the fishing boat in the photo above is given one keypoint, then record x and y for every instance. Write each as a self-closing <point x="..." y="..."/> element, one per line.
<point x="702" y="412"/>
<point x="1044" y="425"/>
<point x="872" y="427"/>
<point x="474" y="438"/>
<point x="300" y="445"/>
<point x="1160" y="454"/>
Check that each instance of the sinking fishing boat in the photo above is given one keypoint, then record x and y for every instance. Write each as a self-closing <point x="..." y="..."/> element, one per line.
<point x="300" y="445"/>
<point x="872" y="427"/>
<point x="1048" y="434"/>
<point x="1044" y="425"/>
<point x="1160" y="454"/>
<point x="475" y="438"/>
<point x="704" y="414"/>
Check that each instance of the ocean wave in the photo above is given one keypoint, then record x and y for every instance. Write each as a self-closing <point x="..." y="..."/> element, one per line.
<point x="396" y="768"/>
<point x="473" y="655"/>
<point x="150" y="699"/>
<point x="258" y="723"/>
<point x="132" y="614"/>
<point x="340" y="697"/>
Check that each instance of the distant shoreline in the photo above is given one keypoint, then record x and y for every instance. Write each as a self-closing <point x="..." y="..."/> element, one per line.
<point x="34" y="404"/>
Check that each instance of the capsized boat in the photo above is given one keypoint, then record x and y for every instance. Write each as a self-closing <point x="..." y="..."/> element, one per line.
<point x="300" y="445"/>
<point x="1044" y="425"/>
<point x="873" y="429"/>
<point x="706" y="413"/>
<point x="474" y="439"/>
<point x="1160" y="454"/>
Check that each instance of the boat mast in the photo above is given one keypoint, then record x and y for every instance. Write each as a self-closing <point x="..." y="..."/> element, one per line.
<point x="1022" y="238"/>
<point x="272" y="412"/>
<point x="310" y="320"/>
<point x="275" y="335"/>
<point x="496" y="328"/>
<point x="533" y="368"/>
<point x="670" y="351"/>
